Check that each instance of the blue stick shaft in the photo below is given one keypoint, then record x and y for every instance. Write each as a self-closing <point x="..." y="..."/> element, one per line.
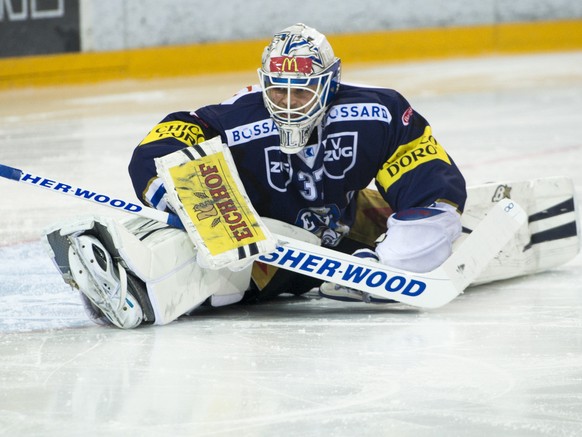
<point x="18" y="175"/>
<point x="10" y="172"/>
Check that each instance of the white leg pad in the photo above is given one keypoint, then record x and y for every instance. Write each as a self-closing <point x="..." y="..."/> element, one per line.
<point x="165" y="260"/>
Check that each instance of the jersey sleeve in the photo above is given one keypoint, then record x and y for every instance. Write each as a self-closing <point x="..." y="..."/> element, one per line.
<point x="417" y="171"/>
<point x="176" y="131"/>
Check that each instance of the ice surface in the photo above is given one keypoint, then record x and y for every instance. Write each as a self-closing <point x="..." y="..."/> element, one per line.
<point x="504" y="359"/>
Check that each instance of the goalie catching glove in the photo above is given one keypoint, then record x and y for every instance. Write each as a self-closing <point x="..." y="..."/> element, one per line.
<point x="417" y="240"/>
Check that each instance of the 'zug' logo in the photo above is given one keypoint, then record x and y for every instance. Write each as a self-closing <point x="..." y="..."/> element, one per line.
<point x="279" y="170"/>
<point x="340" y="154"/>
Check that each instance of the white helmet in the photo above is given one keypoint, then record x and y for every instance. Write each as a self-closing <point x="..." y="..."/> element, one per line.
<point x="300" y="76"/>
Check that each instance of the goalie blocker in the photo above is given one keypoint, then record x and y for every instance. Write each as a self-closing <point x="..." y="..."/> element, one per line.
<point x="204" y="189"/>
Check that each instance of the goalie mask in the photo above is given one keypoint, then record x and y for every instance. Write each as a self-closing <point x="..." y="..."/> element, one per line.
<point x="300" y="76"/>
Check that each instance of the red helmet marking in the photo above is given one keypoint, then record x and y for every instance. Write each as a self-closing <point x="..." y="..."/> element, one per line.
<point x="288" y="64"/>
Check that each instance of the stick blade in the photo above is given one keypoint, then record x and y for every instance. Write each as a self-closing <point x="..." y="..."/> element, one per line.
<point x="487" y="240"/>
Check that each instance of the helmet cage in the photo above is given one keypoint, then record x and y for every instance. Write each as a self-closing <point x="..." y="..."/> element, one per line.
<point x="296" y="123"/>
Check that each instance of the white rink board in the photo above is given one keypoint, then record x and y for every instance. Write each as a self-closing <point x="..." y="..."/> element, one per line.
<point x="128" y="24"/>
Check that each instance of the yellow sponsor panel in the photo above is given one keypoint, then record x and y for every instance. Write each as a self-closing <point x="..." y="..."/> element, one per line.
<point x="409" y="156"/>
<point x="215" y="205"/>
<point x="188" y="133"/>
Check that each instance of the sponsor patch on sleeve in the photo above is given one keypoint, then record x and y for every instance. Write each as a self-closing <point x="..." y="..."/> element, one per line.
<point x="358" y="112"/>
<point x="252" y="131"/>
<point x="188" y="133"/>
<point x="409" y="156"/>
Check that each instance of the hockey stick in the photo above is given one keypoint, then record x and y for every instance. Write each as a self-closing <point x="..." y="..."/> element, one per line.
<point x="91" y="196"/>
<point x="425" y="290"/>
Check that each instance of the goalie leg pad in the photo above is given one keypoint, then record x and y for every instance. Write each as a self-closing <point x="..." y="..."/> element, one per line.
<point x="176" y="283"/>
<point x="106" y="284"/>
<point x="160" y="265"/>
<point x="87" y="257"/>
<point x="550" y="238"/>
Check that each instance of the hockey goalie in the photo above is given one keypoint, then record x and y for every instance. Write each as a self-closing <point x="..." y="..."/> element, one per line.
<point x="293" y="156"/>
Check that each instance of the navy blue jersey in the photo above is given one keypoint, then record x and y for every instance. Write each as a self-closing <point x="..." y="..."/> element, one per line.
<point x="367" y="134"/>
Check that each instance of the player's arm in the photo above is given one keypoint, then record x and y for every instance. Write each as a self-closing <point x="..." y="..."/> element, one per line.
<point x="427" y="192"/>
<point x="176" y="131"/>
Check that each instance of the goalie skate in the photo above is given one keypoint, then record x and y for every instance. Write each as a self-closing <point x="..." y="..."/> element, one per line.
<point x="94" y="274"/>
